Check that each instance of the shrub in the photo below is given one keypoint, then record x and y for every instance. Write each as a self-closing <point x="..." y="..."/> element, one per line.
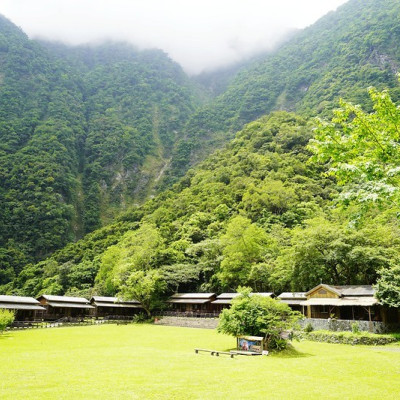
<point x="355" y="328"/>
<point x="142" y="318"/>
<point x="364" y="338"/>
<point x="308" y="328"/>
<point x="6" y="319"/>
<point x="255" y="315"/>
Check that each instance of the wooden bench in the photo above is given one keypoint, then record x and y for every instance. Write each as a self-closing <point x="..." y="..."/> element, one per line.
<point x="214" y="352"/>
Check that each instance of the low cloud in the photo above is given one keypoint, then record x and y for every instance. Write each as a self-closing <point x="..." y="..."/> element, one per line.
<point x="200" y="35"/>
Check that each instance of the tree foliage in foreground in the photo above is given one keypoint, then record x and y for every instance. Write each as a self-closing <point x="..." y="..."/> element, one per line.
<point x="362" y="149"/>
<point x="362" y="152"/>
<point x="6" y="319"/>
<point x="255" y="315"/>
<point x="388" y="287"/>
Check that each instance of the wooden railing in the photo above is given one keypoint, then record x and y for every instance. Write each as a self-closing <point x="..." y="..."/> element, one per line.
<point x="61" y="322"/>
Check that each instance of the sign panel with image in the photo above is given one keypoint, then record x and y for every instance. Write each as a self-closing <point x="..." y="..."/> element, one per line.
<point x="253" y="344"/>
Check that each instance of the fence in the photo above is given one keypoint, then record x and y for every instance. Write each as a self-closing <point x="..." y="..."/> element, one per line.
<point x="62" y="322"/>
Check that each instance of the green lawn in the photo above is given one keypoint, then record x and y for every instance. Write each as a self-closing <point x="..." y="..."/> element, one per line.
<point x="158" y="362"/>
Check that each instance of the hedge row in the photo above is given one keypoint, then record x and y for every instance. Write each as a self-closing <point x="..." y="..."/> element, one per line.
<point x="350" y="338"/>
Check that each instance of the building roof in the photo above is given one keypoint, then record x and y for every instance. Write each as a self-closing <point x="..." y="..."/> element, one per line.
<point x="355" y="290"/>
<point x="294" y="302"/>
<point x="292" y="295"/>
<point x="20" y="306"/>
<point x="65" y="299"/>
<point x="192" y="295"/>
<point x="18" y="299"/>
<point x="60" y="304"/>
<point x="222" y="301"/>
<point x="292" y="298"/>
<point x="227" y="295"/>
<point x="346" y="290"/>
<point x="188" y="301"/>
<point x="226" y="298"/>
<point x="363" y="301"/>
<point x="117" y="305"/>
<point x="112" y="300"/>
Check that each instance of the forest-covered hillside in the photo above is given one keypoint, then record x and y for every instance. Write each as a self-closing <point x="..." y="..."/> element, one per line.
<point x="257" y="213"/>
<point x="341" y="55"/>
<point x="85" y="132"/>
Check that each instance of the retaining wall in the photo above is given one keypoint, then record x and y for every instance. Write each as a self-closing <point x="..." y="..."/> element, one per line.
<point x="205" y="323"/>
<point x="343" y="325"/>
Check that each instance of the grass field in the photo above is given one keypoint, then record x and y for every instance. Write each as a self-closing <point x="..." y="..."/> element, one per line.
<point x="158" y="362"/>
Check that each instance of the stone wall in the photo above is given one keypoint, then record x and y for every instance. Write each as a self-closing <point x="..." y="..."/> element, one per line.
<point x="342" y="325"/>
<point x="204" y="323"/>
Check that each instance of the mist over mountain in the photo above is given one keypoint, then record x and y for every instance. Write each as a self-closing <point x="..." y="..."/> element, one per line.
<point x="339" y="56"/>
<point x="199" y="35"/>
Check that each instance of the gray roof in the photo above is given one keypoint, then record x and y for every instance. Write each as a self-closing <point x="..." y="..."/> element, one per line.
<point x="355" y="290"/>
<point x="20" y="306"/>
<point x="61" y="304"/>
<point x="293" y="302"/>
<point x="363" y="301"/>
<point x="112" y="300"/>
<point x="188" y="301"/>
<point x="292" y="296"/>
<point x="226" y="298"/>
<point x="346" y="290"/>
<point x="192" y="295"/>
<point x="222" y="301"/>
<point x="227" y="295"/>
<point x="18" y="299"/>
<point x="117" y="305"/>
<point x="66" y="299"/>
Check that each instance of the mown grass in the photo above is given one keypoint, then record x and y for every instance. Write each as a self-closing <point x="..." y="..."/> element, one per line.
<point x="158" y="362"/>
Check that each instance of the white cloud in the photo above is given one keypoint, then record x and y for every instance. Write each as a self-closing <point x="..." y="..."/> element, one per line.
<point x="198" y="34"/>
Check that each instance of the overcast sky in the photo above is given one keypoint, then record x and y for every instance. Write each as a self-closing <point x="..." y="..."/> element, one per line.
<point x="199" y="34"/>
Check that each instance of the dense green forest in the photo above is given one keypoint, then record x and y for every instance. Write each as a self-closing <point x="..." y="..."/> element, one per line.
<point x="259" y="212"/>
<point x="86" y="132"/>
<point x="341" y="55"/>
<point x="89" y="133"/>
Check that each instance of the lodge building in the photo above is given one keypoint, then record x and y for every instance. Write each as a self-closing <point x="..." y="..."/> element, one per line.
<point x="224" y="300"/>
<point x="350" y="302"/>
<point x="57" y="307"/>
<point x="192" y="302"/>
<point x="113" y="308"/>
<point x="25" y="308"/>
<point x="294" y="300"/>
<point x="323" y="302"/>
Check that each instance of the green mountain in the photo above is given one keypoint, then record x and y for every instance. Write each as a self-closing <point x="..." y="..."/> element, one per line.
<point x="256" y="213"/>
<point x="90" y="131"/>
<point x="341" y="55"/>
<point x="85" y="132"/>
<point x="136" y="104"/>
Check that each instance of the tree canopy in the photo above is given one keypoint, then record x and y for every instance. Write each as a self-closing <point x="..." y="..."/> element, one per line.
<point x="255" y="315"/>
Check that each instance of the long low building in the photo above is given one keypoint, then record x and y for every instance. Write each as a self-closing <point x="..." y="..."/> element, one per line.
<point x="349" y="302"/>
<point x="57" y="307"/>
<point x="192" y="302"/>
<point x="112" y="307"/>
<point x="25" y="308"/>
<point x="224" y="300"/>
<point x="295" y="300"/>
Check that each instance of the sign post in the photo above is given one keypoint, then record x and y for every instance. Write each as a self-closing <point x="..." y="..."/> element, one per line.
<point x="251" y="344"/>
